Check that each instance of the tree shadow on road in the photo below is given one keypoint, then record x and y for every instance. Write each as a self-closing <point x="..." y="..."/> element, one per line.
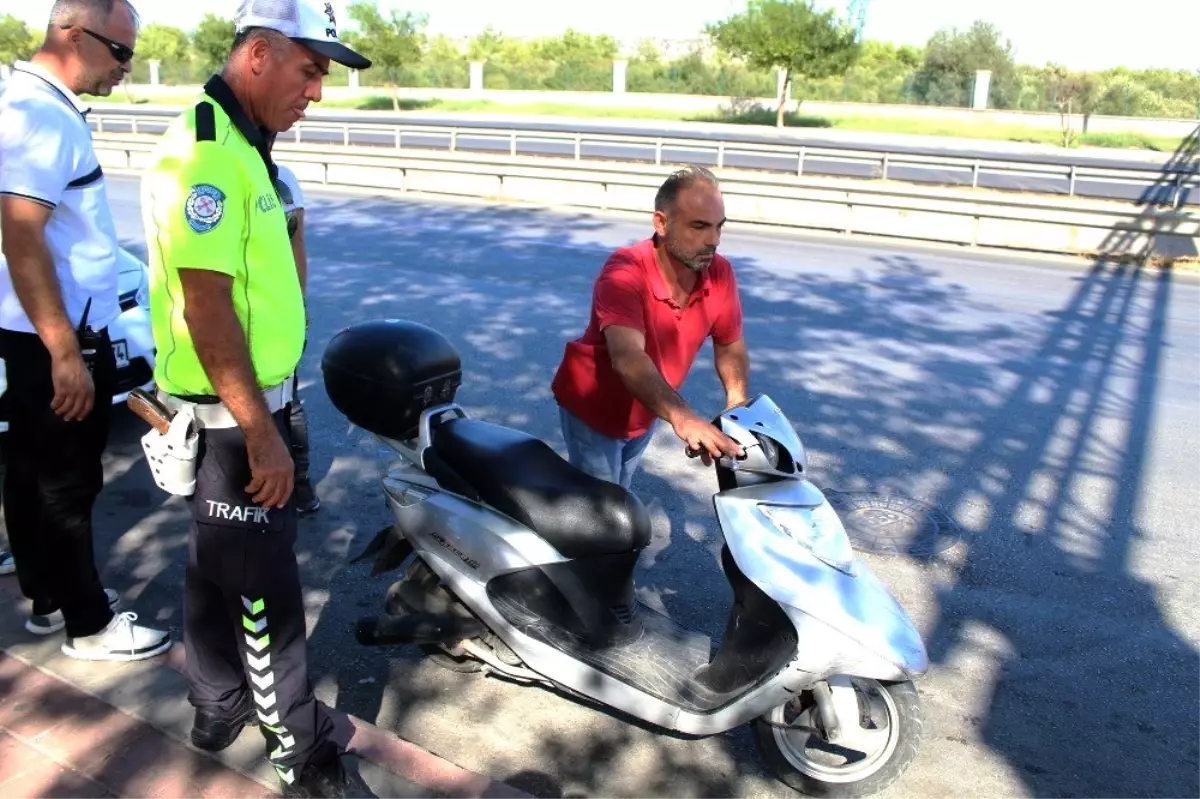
<point x="1072" y="573"/>
<point x="1062" y="481"/>
<point x="1030" y="427"/>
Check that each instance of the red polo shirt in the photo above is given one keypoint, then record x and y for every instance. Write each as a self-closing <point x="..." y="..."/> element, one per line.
<point x="630" y="292"/>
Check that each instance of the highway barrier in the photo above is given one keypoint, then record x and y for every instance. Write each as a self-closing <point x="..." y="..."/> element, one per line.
<point x="974" y="218"/>
<point x="1171" y="181"/>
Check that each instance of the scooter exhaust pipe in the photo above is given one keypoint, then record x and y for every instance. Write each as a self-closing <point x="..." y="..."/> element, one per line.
<point x="415" y="628"/>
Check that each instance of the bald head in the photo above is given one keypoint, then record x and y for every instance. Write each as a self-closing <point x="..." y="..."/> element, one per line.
<point x="680" y="181"/>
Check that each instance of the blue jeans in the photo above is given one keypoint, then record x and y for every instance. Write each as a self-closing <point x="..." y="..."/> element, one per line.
<point x="612" y="459"/>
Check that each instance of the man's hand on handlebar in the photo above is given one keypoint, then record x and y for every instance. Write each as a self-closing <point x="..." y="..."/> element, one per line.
<point x="705" y="440"/>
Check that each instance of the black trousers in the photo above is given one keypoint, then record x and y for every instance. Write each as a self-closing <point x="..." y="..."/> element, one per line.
<point x="298" y="422"/>
<point x="53" y="475"/>
<point x="243" y="611"/>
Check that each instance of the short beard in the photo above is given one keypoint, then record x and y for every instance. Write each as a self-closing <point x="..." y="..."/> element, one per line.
<point x="694" y="262"/>
<point x="98" y="86"/>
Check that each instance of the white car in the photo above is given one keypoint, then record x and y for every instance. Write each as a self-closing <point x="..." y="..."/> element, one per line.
<point x="132" y="340"/>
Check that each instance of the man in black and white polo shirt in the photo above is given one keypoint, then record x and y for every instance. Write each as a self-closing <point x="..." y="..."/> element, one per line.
<point x="58" y="294"/>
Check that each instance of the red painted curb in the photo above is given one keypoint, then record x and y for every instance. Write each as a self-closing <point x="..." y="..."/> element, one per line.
<point x="380" y="747"/>
<point x="58" y="740"/>
<point x="396" y="755"/>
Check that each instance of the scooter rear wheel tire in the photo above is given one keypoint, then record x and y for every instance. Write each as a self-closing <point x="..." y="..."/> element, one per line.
<point x="438" y="656"/>
<point x="420" y="574"/>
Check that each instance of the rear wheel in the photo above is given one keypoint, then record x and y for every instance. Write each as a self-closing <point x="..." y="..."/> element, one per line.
<point x="425" y="579"/>
<point x="440" y="657"/>
<point x="868" y="757"/>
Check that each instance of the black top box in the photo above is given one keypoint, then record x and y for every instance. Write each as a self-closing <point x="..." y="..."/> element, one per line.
<point x="382" y="374"/>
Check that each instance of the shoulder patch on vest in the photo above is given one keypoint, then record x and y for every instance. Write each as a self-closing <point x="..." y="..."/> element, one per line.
<point x="206" y="122"/>
<point x="205" y="207"/>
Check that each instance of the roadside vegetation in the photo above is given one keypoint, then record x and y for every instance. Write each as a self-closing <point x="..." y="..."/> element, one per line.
<point x="820" y="55"/>
<point x="763" y="116"/>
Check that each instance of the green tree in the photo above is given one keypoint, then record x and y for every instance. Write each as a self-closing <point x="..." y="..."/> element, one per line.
<point x="952" y="57"/>
<point x="572" y="61"/>
<point x="392" y="43"/>
<point x="789" y="35"/>
<point x="443" y="66"/>
<point x="17" y="42"/>
<point x="212" y="41"/>
<point x="487" y="44"/>
<point x="882" y="74"/>
<point x="163" y="43"/>
<point x="508" y="63"/>
<point x="577" y="61"/>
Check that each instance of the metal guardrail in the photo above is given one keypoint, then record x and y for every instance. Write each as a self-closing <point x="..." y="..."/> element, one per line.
<point x="987" y="219"/>
<point x="1178" y="186"/>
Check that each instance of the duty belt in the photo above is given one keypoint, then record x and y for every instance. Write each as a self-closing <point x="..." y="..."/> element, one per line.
<point x="217" y="416"/>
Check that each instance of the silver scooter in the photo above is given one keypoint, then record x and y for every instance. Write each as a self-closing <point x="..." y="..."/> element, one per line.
<point x="520" y="565"/>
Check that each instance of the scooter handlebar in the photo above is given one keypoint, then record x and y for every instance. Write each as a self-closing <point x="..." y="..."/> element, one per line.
<point x="696" y="453"/>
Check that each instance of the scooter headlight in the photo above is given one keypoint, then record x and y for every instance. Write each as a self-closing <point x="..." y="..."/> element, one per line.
<point x="817" y="529"/>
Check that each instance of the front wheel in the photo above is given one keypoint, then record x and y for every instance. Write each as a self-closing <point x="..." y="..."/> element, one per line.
<point x="867" y="758"/>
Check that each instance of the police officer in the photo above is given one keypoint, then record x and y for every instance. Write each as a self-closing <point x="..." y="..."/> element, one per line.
<point x="228" y="317"/>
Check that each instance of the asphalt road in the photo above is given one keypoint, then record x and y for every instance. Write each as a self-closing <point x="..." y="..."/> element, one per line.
<point x="1160" y="188"/>
<point x="1051" y="408"/>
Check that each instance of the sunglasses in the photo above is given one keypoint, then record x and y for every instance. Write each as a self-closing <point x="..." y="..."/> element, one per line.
<point x="122" y="53"/>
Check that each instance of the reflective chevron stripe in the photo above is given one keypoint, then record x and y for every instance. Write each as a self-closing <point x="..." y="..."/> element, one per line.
<point x="258" y="644"/>
<point x="254" y="626"/>
<point x="286" y="742"/>
<point x="264" y="682"/>
<point x="258" y="639"/>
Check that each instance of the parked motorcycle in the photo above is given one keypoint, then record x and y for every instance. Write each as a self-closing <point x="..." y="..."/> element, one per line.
<point x="522" y="566"/>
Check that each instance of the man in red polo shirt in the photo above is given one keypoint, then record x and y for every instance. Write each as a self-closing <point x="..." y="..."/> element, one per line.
<point x="653" y="306"/>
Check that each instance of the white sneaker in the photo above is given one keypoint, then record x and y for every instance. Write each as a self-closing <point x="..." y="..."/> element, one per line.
<point x="50" y="623"/>
<point x="120" y="640"/>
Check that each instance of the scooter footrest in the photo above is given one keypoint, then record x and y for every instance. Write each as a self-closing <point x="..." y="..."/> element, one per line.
<point x="653" y="653"/>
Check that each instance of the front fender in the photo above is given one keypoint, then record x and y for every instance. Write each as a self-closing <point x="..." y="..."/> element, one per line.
<point x="847" y="623"/>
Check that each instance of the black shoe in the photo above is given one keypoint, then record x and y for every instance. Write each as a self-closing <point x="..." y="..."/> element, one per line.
<point x="330" y="779"/>
<point x="306" y="497"/>
<point x="212" y="732"/>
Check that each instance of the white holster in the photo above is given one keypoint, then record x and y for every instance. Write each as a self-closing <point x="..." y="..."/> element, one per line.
<point x="172" y="457"/>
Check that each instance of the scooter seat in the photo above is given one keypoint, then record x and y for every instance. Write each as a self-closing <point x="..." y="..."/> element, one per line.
<point x="521" y="476"/>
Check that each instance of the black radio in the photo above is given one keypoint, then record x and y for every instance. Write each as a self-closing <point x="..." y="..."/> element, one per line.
<point x="89" y="340"/>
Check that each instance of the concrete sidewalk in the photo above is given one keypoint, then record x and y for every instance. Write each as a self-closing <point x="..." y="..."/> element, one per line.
<point x="71" y="728"/>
